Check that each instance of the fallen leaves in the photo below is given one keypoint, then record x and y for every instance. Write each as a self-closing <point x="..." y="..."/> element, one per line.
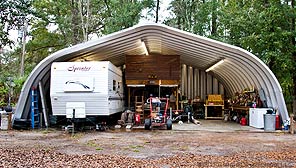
<point x="26" y="157"/>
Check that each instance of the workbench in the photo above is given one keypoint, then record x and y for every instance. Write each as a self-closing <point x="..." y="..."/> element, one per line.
<point x="240" y="109"/>
<point x="215" y="109"/>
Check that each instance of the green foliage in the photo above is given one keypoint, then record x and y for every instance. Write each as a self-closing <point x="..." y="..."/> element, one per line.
<point x="19" y="82"/>
<point x="264" y="28"/>
<point x="15" y="90"/>
<point x="261" y="27"/>
<point x="54" y="25"/>
<point x="123" y="14"/>
<point x="3" y="93"/>
<point x="12" y="14"/>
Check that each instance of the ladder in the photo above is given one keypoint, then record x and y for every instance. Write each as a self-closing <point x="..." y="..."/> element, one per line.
<point x="35" y="115"/>
<point x="139" y="107"/>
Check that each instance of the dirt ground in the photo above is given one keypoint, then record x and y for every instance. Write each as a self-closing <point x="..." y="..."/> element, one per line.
<point x="140" y="148"/>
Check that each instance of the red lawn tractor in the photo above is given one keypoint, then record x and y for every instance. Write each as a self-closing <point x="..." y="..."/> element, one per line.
<point x="158" y="117"/>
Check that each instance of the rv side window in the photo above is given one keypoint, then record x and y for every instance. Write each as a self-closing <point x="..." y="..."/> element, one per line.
<point x="114" y="85"/>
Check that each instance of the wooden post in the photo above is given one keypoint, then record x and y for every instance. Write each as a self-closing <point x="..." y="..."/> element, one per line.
<point x="177" y="100"/>
<point x="129" y="98"/>
<point x="292" y="124"/>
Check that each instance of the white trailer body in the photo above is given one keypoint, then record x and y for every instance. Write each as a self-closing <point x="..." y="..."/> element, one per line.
<point x="88" y="88"/>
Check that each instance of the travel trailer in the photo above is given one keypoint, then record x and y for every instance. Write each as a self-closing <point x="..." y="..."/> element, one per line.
<point x="86" y="89"/>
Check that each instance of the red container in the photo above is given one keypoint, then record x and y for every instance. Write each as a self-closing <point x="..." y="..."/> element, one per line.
<point x="277" y="122"/>
<point x="138" y="119"/>
<point x="243" y="121"/>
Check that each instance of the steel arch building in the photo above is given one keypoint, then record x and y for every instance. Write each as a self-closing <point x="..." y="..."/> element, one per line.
<point x="241" y="69"/>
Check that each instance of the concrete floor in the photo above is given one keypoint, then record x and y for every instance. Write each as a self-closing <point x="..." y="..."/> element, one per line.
<point x="209" y="125"/>
<point x="215" y="126"/>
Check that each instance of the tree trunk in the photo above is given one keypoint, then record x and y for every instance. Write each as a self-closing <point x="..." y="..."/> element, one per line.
<point x="294" y="60"/>
<point x="272" y="62"/>
<point x="214" y="19"/>
<point x="80" y="7"/>
<point x="87" y="20"/>
<point x="157" y="10"/>
<point x="74" y="11"/>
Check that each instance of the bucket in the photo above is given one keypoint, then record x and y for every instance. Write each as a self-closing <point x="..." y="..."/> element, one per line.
<point x="4" y="121"/>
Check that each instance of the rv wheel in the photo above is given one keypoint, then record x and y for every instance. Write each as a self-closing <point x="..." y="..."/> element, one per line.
<point x="169" y="124"/>
<point x="147" y="124"/>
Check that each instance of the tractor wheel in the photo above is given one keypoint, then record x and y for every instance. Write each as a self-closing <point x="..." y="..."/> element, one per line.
<point x="169" y="124"/>
<point x="147" y="124"/>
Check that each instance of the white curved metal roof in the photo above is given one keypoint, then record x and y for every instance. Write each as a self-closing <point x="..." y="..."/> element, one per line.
<point x="241" y="69"/>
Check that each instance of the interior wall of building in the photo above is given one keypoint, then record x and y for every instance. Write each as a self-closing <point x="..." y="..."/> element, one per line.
<point x="197" y="83"/>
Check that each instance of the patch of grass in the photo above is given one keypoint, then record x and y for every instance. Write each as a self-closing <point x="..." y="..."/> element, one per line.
<point x="47" y="150"/>
<point x="113" y="146"/>
<point x="91" y="143"/>
<point x="133" y="147"/>
<point x="136" y="146"/>
<point x="45" y="132"/>
<point x="183" y="148"/>
<point x="99" y="149"/>
<point x="77" y="136"/>
<point x="125" y="148"/>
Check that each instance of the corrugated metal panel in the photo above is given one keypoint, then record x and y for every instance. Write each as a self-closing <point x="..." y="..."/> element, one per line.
<point x="184" y="80"/>
<point x="221" y="89"/>
<point x="215" y="86"/>
<point x="209" y="86"/>
<point x="190" y="82"/>
<point x="203" y="85"/>
<point x="240" y="69"/>
<point x="196" y="83"/>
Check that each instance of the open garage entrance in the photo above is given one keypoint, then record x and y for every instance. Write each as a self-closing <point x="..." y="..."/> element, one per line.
<point x="192" y="67"/>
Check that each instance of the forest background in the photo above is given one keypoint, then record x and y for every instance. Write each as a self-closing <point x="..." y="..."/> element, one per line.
<point x="266" y="28"/>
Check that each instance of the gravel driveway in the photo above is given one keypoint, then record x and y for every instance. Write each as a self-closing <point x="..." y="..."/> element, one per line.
<point x="139" y="148"/>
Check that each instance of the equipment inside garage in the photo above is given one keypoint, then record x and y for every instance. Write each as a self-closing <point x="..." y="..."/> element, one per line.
<point x="151" y="77"/>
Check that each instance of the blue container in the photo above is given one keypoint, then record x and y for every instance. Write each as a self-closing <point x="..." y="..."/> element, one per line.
<point x="286" y="126"/>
